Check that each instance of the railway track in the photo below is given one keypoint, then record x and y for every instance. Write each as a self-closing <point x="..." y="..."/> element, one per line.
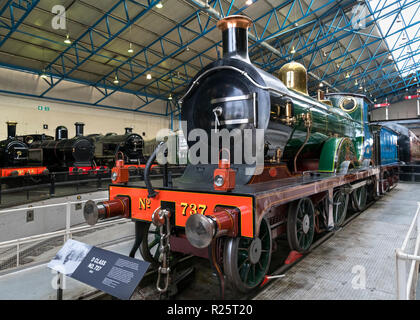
<point x="203" y="282"/>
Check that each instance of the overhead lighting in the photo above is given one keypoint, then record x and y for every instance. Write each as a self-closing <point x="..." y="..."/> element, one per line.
<point x="148" y="76"/>
<point x="187" y="48"/>
<point x="321" y="84"/>
<point x="67" y="40"/>
<point x="356" y="83"/>
<point x="170" y="97"/>
<point x="130" y="49"/>
<point x="360" y="87"/>
<point x="159" y="5"/>
<point x="347" y="75"/>
<point x="293" y="51"/>
<point x="116" y="81"/>
<point x="44" y="75"/>
<point x="390" y="57"/>
<point x="415" y="79"/>
<point x="248" y="2"/>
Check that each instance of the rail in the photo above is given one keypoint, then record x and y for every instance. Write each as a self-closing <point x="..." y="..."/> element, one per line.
<point x="408" y="261"/>
<point x="6" y="247"/>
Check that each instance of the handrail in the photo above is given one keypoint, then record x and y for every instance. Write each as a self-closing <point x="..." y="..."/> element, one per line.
<point x="406" y="285"/>
<point x="67" y="232"/>
<point x="62" y="232"/>
<point x="48" y="205"/>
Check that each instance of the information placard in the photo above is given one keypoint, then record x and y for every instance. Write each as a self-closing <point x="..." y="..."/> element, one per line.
<point x="105" y="270"/>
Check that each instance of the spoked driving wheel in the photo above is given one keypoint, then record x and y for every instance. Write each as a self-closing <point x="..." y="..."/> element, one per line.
<point x="150" y="244"/>
<point x="301" y="224"/>
<point x="359" y="198"/>
<point x="246" y="260"/>
<point x="340" y="202"/>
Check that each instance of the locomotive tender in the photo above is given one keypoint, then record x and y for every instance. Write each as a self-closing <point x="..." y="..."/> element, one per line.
<point x="319" y="158"/>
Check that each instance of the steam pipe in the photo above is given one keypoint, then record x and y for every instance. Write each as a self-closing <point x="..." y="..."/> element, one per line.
<point x="308" y="134"/>
<point x="139" y="230"/>
<point x="151" y="192"/>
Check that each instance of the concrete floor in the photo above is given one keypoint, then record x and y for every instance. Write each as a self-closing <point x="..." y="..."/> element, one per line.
<point x="365" y="247"/>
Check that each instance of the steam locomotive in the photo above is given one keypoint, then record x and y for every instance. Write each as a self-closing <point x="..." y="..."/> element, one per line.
<point x="14" y="155"/>
<point x="64" y="154"/>
<point x="321" y="157"/>
<point x="108" y="147"/>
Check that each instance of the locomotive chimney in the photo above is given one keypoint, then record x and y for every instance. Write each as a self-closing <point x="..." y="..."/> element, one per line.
<point x="61" y="133"/>
<point x="128" y="130"/>
<point x="235" y="36"/>
<point x="79" y="128"/>
<point x="11" y="129"/>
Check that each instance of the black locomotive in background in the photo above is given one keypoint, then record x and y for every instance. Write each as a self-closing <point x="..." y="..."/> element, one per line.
<point x="128" y="146"/>
<point x="36" y="154"/>
<point x="63" y="152"/>
<point x="13" y="152"/>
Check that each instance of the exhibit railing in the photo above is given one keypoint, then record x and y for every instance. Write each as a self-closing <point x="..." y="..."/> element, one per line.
<point x="408" y="260"/>
<point x="19" y="190"/>
<point x="41" y="248"/>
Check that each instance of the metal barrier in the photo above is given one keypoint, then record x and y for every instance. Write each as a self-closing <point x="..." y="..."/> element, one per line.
<point x="409" y="261"/>
<point x="66" y="233"/>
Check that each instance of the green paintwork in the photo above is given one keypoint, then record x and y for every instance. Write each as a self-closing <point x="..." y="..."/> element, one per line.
<point x="328" y="153"/>
<point x="328" y="124"/>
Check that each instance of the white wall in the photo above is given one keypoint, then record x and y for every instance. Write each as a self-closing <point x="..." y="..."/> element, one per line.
<point x="406" y="109"/>
<point x="30" y="119"/>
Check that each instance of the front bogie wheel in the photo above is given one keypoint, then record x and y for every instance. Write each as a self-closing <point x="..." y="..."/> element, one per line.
<point x="246" y="260"/>
<point x="150" y="245"/>
<point x="301" y="224"/>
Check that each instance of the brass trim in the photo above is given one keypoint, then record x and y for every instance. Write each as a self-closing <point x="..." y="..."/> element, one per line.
<point x="349" y="98"/>
<point x="235" y="21"/>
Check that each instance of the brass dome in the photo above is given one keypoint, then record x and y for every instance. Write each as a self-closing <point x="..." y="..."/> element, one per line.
<point x="294" y="76"/>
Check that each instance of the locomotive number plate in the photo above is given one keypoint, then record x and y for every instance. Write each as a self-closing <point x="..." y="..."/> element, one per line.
<point x="186" y="203"/>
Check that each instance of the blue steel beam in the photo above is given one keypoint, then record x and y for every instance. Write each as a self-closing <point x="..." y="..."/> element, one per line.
<point x="66" y="64"/>
<point x="180" y="45"/>
<point x="330" y="34"/>
<point x="183" y="82"/>
<point x="24" y="8"/>
<point x="330" y="40"/>
<point x="377" y="80"/>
